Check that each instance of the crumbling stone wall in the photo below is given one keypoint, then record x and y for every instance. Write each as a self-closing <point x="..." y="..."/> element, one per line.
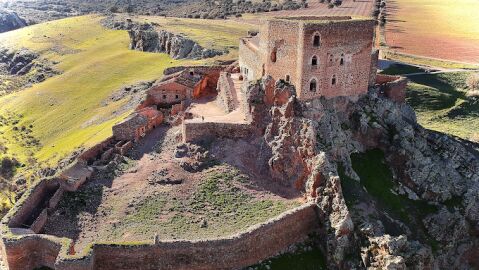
<point x="35" y="201"/>
<point x="393" y="87"/>
<point x="255" y="244"/>
<point x="225" y="90"/>
<point x="169" y="92"/>
<point x="95" y="150"/>
<point x="31" y="252"/>
<point x="194" y="130"/>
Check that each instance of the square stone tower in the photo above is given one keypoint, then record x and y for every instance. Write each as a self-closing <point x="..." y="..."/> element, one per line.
<point x="320" y="56"/>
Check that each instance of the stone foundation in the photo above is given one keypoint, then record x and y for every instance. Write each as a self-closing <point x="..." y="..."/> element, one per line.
<point x="393" y="87"/>
<point x="194" y="130"/>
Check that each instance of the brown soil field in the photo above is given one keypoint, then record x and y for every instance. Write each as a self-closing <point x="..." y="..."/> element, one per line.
<point x="443" y="29"/>
<point x="349" y="7"/>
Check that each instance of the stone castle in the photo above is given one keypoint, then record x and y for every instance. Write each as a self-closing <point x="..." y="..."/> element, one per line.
<point x="319" y="56"/>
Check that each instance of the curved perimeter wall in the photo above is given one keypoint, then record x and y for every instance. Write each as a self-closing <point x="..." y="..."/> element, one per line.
<point x="258" y="243"/>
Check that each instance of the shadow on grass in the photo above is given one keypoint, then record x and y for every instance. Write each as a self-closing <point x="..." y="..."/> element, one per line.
<point x="308" y="256"/>
<point x="377" y="179"/>
<point x="437" y="92"/>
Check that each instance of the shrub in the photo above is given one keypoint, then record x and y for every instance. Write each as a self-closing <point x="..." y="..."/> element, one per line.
<point x="473" y="82"/>
<point x="331" y="5"/>
<point x="8" y="167"/>
<point x="114" y="9"/>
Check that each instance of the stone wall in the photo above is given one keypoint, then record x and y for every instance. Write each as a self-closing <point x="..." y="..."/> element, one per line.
<point x="35" y="201"/>
<point x="194" y="130"/>
<point x="343" y="58"/>
<point x="374" y="67"/>
<point x="95" y="150"/>
<point x="30" y="252"/>
<point x="225" y="90"/>
<point x="251" y="246"/>
<point x="169" y="92"/>
<point x="393" y="87"/>
<point x="250" y="58"/>
<point x="256" y="244"/>
<point x="38" y="224"/>
<point x="282" y="37"/>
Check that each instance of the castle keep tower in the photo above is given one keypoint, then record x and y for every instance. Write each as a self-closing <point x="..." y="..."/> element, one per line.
<point x="320" y="56"/>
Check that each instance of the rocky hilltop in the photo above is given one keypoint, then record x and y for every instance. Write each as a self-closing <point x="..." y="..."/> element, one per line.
<point x="391" y="194"/>
<point x="146" y="38"/>
<point x="9" y="20"/>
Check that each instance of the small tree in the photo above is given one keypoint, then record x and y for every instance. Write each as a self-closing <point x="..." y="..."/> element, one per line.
<point x="473" y="82"/>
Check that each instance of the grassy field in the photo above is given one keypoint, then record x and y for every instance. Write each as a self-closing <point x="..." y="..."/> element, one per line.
<point x="441" y="104"/>
<point x="66" y="112"/>
<point x="440" y="101"/>
<point x="444" y="29"/>
<point x="219" y="34"/>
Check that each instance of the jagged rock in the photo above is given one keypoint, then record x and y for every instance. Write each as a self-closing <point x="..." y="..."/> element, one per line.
<point x="146" y="38"/>
<point x="309" y="138"/>
<point x="446" y="227"/>
<point x="195" y="158"/>
<point x="9" y="20"/>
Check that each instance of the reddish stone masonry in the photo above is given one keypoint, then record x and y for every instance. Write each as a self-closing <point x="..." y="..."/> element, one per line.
<point x="287" y="48"/>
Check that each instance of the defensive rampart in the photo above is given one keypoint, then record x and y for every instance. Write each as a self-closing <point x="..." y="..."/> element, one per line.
<point x="28" y="251"/>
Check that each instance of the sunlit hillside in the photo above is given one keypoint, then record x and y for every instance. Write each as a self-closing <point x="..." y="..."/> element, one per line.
<point x="65" y="112"/>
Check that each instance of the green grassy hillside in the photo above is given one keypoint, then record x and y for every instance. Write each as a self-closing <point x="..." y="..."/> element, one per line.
<point x="441" y="101"/>
<point x="44" y="123"/>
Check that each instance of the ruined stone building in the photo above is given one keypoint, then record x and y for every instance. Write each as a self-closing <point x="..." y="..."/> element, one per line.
<point x="137" y="124"/>
<point x="320" y="56"/>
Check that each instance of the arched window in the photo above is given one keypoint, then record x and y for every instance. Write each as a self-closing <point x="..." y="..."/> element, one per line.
<point x="341" y="62"/>
<point x="313" y="85"/>
<point x="288" y="78"/>
<point x="316" y="40"/>
<point x="314" y="61"/>
<point x="333" y="81"/>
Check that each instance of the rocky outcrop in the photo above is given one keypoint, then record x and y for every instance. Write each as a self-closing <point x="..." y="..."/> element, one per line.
<point x="146" y="38"/>
<point x="21" y="68"/>
<point x="311" y="142"/>
<point x="9" y="20"/>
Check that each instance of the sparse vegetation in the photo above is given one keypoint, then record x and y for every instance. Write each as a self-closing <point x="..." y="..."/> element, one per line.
<point x="395" y="69"/>
<point x="218" y="207"/>
<point x="442" y="102"/>
<point x="41" y="125"/>
<point x="377" y="179"/>
<point x="305" y="256"/>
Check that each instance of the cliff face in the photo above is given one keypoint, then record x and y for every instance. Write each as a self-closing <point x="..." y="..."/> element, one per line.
<point x="392" y="195"/>
<point x="9" y="20"/>
<point x="146" y="38"/>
